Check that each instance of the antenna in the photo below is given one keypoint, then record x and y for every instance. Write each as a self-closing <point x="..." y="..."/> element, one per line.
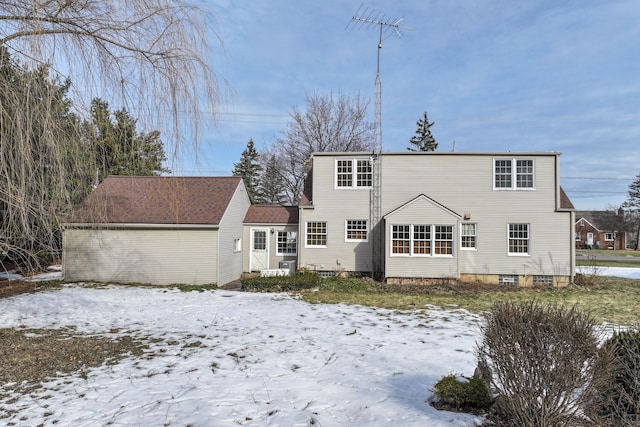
<point x="368" y="18"/>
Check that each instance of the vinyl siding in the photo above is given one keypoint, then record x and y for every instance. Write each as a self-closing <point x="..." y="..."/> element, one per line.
<point x="463" y="183"/>
<point x="153" y="256"/>
<point x="230" y="266"/>
<point x="274" y="258"/>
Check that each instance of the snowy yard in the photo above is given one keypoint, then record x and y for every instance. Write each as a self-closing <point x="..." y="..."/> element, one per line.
<point x="228" y="358"/>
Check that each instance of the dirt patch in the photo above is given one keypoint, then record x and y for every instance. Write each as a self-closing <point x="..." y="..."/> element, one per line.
<point x="30" y="356"/>
<point x="15" y="287"/>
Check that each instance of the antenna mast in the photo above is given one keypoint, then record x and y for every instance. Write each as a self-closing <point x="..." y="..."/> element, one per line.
<point x="368" y="18"/>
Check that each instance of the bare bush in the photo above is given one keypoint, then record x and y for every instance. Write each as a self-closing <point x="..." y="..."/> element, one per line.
<point x="540" y="359"/>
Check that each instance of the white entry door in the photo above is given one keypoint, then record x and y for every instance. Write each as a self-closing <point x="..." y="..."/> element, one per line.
<point x="589" y="239"/>
<point x="259" y="249"/>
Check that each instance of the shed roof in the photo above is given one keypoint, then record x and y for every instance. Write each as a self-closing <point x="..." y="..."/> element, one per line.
<point x="157" y="200"/>
<point x="271" y="214"/>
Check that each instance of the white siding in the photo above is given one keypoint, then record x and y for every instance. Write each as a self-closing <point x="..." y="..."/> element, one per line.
<point x="157" y="256"/>
<point x="274" y="258"/>
<point x="230" y="267"/>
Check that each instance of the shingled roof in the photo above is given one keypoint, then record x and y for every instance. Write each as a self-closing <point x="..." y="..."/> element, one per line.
<point x="157" y="200"/>
<point x="271" y="214"/>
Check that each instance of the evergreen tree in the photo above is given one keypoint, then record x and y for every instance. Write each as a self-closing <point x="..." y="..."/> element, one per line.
<point x="249" y="170"/>
<point x="633" y="203"/>
<point x="423" y="140"/>
<point x="272" y="185"/>
<point x="119" y="148"/>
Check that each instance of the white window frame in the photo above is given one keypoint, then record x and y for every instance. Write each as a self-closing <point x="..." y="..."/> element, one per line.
<point x="609" y="237"/>
<point x="432" y="230"/>
<point x="358" y="177"/>
<point x="356" y="226"/>
<point x="322" y="233"/>
<point x="515" y="175"/>
<point x="237" y="245"/>
<point x="527" y="239"/>
<point x="280" y="244"/>
<point x="474" y="236"/>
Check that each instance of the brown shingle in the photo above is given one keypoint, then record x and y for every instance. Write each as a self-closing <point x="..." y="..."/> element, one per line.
<point x="157" y="200"/>
<point x="267" y="214"/>
<point x="565" y="202"/>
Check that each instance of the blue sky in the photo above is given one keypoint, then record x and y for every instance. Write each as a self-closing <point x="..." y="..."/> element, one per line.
<point x="494" y="75"/>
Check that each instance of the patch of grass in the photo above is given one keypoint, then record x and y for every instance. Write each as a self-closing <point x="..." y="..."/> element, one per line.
<point x="29" y="357"/>
<point x="607" y="263"/>
<point x="613" y="300"/>
<point x="196" y="288"/>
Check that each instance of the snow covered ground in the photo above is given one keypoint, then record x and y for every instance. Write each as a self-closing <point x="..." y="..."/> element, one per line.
<point x="264" y="360"/>
<point x="226" y="358"/>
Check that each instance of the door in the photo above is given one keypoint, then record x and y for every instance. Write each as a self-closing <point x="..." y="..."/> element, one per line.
<point x="589" y="240"/>
<point x="259" y="249"/>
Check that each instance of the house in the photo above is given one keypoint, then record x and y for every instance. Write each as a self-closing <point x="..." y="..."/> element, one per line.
<point x="161" y="230"/>
<point x="498" y="218"/>
<point x="410" y="217"/>
<point x="270" y="236"/>
<point x="600" y="230"/>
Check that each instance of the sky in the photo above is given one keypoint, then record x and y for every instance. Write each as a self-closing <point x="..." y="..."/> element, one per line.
<point x="494" y="76"/>
<point x="228" y="358"/>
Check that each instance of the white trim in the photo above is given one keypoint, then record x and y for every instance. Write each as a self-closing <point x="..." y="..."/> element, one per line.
<point x="306" y="231"/>
<point x="346" y="230"/>
<point x="252" y="230"/>
<point x="354" y="174"/>
<point x="519" y="254"/>
<point x="278" y="242"/>
<point x="514" y="174"/>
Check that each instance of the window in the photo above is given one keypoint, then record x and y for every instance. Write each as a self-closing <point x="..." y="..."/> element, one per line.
<point x="508" y="279"/>
<point x="518" y="239"/>
<point x="422" y="240"/>
<point x="578" y="236"/>
<point x="354" y="173"/>
<point x="513" y="174"/>
<point x="316" y="233"/>
<point x="543" y="280"/>
<point x="344" y="173"/>
<point x="356" y="230"/>
<point x="259" y="240"/>
<point x="237" y="245"/>
<point x="287" y="243"/>
<point x="468" y="236"/>
<point x="400" y="239"/>
<point x="609" y="237"/>
<point x="443" y="242"/>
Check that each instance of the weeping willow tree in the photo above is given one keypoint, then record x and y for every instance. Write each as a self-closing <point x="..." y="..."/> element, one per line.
<point x="152" y="57"/>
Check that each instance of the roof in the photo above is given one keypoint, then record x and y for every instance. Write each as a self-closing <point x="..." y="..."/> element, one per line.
<point x="271" y="214"/>
<point x="157" y="200"/>
<point x="565" y="202"/>
<point x="601" y="220"/>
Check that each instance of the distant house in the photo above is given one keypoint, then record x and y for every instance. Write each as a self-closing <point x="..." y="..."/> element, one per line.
<point x="600" y="230"/>
<point x="161" y="230"/>
<point x="409" y="217"/>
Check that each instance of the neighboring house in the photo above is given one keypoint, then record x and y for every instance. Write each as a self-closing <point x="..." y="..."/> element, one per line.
<point x="160" y="230"/>
<point x="491" y="217"/>
<point x="494" y="217"/>
<point x="600" y="230"/>
<point x="270" y="236"/>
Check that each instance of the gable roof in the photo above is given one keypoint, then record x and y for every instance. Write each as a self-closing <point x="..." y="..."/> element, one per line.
<point x="157" y="200"/>
<point x="600" y="220"/>
<point x="428" y="199"/>
<point x="565" y="201"/>
<point x="271" y="214"/>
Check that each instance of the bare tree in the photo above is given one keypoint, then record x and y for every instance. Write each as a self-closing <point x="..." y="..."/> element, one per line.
<point x="327" y="124"/>
<point x="151" y="57"/>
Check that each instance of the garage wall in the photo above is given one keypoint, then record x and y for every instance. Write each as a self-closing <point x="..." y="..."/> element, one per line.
<point x="160" y="257"/>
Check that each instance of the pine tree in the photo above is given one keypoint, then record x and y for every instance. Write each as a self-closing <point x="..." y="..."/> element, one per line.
<point x="249" y="170"/>
<point x="272" y="185"/>
<point x="423" y="140"/>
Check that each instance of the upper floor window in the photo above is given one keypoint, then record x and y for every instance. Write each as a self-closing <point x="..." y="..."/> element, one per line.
<point x="354" y="173"/>
<point x="421" y="240"/>
<point x="518" y="239"/>
<point x="356" y="230"/>
<point x="513" y="174"/>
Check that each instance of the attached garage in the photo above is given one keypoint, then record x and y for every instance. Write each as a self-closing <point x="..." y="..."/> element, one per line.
<point x="158" y="230"/>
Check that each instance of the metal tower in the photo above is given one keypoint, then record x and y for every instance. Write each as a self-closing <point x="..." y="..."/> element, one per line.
<point x="370" y="19"/>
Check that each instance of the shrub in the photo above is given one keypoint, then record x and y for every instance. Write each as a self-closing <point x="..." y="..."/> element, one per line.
<point x="540" y="359"/>
<point x="468" y="394"/>
<point x="296" y="282"/>
<point x="617" y="395"/>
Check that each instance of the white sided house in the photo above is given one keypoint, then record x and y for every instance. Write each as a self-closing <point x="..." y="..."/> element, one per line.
<point x="159" y="230"/>
<point x="496" y="218"/>
<point x="410" y="217"/>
